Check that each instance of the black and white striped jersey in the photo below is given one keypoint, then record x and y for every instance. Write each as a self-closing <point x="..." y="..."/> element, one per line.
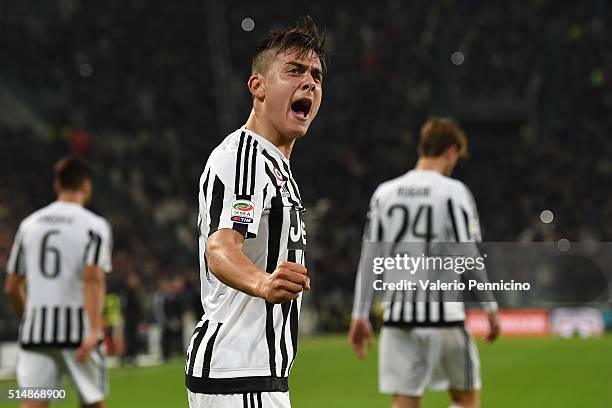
<point x="420" y="206"/>
<point x="51" y="249"/>
<point x="243" y="343"/>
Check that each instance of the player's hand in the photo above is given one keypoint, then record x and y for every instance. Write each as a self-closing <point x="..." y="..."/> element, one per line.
<point x="360" y="335"/>
<point x="494" y="327"/>
<point x="285" y="283"/>
<point x="86" y="347"/>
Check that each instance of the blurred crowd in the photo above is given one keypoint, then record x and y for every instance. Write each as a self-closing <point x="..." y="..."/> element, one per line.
<point x="144" y="91"/>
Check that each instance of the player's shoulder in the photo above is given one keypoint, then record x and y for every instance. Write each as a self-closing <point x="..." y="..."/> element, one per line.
<point x="391" y="186"/>
<point x="30" y="220"/>
<point x="240" y="157"/>
<point x="95" y="219"/>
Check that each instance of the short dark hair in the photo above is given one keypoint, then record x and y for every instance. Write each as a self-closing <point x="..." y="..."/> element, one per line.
<point x="71" y="171"/>
<point x="303" y="37"/>
<point x="438" y="134"/>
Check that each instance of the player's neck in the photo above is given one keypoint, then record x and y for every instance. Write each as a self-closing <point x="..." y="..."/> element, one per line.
<point x="75" y="197"/>
<point x="265" y="129"/>
<point x="436" y="164"/>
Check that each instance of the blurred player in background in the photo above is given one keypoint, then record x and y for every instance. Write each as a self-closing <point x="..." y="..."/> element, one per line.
<point x="252" y="235"/>
<point x="423" y="342"/>
<point x="56" y="283"/>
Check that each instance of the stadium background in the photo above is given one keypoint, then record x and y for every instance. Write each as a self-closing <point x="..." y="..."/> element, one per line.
<point x="145" y="90"/>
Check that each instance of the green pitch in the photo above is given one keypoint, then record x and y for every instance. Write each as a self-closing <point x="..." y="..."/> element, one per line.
<point x="516" y="373"/>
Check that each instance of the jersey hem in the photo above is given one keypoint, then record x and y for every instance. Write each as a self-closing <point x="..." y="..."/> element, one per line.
<point x="455" y="323"/>
<point x="29" y="346"/>
<point x="237" y="385"/>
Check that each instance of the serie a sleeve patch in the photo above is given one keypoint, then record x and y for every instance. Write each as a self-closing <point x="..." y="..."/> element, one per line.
<point x="243" y="211"/>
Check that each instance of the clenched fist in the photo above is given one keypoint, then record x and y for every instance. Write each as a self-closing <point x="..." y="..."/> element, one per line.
<point x="285" y="283"/>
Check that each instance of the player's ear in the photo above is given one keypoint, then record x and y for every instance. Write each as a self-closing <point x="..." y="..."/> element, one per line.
<point x="56" y="186"/>
<point x="256" y="86"/>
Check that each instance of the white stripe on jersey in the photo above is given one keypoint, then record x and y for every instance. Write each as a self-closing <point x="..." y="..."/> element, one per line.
<point x="51" y="249"/>
<point x="445" y="211"/>
<point x="245" y="344"/>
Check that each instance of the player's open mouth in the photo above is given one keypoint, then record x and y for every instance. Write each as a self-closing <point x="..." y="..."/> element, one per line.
<point x="301" y="108"/>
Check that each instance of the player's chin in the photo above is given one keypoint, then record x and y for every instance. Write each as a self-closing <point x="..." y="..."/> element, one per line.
<point x="296" y="130"/>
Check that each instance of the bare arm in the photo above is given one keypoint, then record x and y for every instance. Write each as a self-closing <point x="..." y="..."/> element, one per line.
<point x="14" y="288"/>
<point x="232" y="267"/>
<point x="94" y="289"/>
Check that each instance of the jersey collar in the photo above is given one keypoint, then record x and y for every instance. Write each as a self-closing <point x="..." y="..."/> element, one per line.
<point x="266" y="144"/>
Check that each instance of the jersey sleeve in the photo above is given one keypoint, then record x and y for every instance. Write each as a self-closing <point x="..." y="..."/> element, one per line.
<point x="473" y="223"/>
<point x="370" y="248"/>
<point x="234" y="191"/>
<point x="99" y="247"/>
<point x="463" y="216"/>
<point x="16" y="263"/>
<point x="472" y="233"/>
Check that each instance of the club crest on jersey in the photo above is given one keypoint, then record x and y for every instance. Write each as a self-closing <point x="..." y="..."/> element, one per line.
<point x="243" y="211"/>
<point x="278" y="174"/>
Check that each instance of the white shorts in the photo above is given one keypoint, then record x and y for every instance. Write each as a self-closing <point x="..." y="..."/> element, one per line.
<point x="410" y="360"/>
<point x="45" y="367"/>
<point x="248" y="400"/>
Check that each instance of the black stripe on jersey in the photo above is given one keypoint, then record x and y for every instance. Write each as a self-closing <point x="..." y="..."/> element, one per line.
<point x="274" y="162"/>
<point x="380" y="233"/>
<point x="467" y="223"/>
<point x="15" y="267"/>
<point x="216" y="205"/>
<point x="240" y="227"/>
<point x="68" y="327"/>
<point x="270" y="337"/>
<point x="98" y="244"/>
<point x="401" y="315"/>
<point x="275" y="226"/>
<point x="209" y="350"/>
<point x="451" y="214"/>
<point x="290" y="185"/>
<point x="56" y="310"/>
<point x="292" y="181"/>
<point x="293" y="322"/>
<point x="205" y="184"/>
<point x="272" y="178"/>
<point x="245" y="403"/>
<point x="43" y="323"/>
<point x="252" y="398"/>
<point x="283" y="345"/>
<point x="205" y="193"/>
<point x="259" y="403"/>
<point x="88" y="248"/>
<point x="253" y="167"/>
<point x="245" y="167"/>
<point x="196" y="346"/>
<point x="392" y="305"/>
<point x="441" y="306"/>
<point x="427" y="306"/>
<point x="81" y="325"/>
<point x="456" y="323"/>
<point x="238" y="161"/>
